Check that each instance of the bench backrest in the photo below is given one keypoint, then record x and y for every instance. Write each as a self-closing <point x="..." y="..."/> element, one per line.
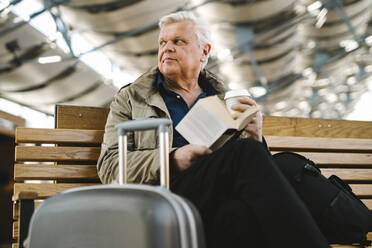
<point x="65" y="157"/>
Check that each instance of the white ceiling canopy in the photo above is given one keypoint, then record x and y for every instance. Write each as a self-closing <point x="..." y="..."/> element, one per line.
<point x="297" y="57"/>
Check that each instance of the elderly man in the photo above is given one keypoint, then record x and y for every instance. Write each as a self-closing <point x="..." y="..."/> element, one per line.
<point x="243" y="198"/>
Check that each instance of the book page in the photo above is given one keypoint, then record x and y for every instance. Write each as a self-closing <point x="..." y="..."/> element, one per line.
<point x="246" y="117"/>
<point x="201" y="125"/>
<point x="219" y="107"/>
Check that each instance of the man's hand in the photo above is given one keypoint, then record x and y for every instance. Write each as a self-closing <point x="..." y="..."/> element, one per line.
<point x="187" y="155"/>
<point x="254" y="128"/>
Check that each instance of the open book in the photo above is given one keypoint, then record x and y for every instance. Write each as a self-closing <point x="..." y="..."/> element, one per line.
<point x="209" y="123"/>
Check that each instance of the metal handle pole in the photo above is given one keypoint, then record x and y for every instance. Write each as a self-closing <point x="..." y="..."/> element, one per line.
<point x="164" y="156"/>
<point x="123" y="162"/>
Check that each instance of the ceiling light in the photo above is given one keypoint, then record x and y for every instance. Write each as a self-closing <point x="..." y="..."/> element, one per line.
<point x="349" y="45"/>
<point x="50" y="59"/>
<point x="351" y="81"/>
<point x="321" y="18"/>
<point x="314" y="7"/>
<point x="369" y="40"/>
<point x="257" y="91"/>
<point x="331" y="97"/>
<point x="311" y="44"/>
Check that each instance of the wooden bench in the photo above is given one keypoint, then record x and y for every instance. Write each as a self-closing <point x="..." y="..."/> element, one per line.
<point x="65" y="157"/>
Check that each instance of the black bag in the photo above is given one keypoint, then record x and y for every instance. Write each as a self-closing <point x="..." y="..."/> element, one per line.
<point x="340" y="215"/>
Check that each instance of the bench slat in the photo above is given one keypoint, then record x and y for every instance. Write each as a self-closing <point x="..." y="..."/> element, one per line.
<point x="46" y="153"/>
<point x="362" y="190"/>
<point x="298" y="143"/>
<point x="58" y="136"/>
<point x="45" y="190"/>
<point x="313" y="127"/>
<point x="368" y="203"/>
<point x="349" y="174"/>
<point x="54" y="172"/>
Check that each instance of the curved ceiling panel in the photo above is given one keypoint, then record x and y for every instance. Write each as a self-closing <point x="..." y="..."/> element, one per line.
<point x="336" y="28"/>
<point x="333" y="41"/>
<point x="307" y="61"/>
<point x="134" y="16"/>
<point x="100" y="96"/>
<point x="79" y="3"/>
<point x="141" y="43"/>
<point x="245" y="12"/>
<point x="23" y="79"/>
<point x="19" y="35"/>
<point x="351" y="9"/>
<point x="264" y="53"/>
<point x="286" y="97"/>
<point x="136" y="64"/>
<point x="32" y="74"/>
<point x="275" y="69"/>
<point x="74" y="84"/>
<point x="306" y="68"/>
<point x="226" y="38"/>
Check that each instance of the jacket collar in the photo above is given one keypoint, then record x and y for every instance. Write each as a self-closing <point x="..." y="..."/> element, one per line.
<point x="146" y="85"/>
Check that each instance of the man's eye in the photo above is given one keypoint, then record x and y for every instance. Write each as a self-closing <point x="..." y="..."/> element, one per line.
<point x="179" y="42"/>
<point x="162" y="43"/>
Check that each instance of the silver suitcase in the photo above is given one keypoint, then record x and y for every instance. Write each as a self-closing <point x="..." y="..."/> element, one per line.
<point x="124" y="215"/>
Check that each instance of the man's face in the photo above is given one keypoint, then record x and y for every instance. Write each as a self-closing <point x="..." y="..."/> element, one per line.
<point x="179" y="53"/>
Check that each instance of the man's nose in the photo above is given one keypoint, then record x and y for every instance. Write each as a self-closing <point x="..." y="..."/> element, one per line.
<point x="169" y="46"/>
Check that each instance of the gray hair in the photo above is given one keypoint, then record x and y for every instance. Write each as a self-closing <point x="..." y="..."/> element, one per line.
<point x="201" y="27"/>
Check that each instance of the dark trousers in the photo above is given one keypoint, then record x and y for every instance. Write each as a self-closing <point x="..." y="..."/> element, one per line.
<point x="245" y="201"/>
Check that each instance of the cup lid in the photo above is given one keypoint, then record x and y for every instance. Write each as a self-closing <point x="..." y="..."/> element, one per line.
<point x="235" y="93"/>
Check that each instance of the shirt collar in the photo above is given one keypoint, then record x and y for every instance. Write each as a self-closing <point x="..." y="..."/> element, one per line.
<point x="203" y="83"/>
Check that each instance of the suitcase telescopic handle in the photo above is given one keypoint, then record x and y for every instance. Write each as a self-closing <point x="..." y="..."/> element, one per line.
<point x="145" y="124"/>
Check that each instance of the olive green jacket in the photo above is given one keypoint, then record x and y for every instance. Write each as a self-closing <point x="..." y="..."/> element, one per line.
<point x="138" y="100"/>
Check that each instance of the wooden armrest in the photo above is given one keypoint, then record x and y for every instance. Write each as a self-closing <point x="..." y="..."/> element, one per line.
<point x="24" y="195"/>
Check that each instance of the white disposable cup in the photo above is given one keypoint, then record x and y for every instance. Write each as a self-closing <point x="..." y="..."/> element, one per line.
<point x="231" y="98"/>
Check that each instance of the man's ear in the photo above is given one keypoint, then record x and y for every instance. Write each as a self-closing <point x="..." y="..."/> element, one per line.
<point x="206" y="50"/>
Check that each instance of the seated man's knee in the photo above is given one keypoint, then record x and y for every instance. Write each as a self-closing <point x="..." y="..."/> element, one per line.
<point x="251" y="145"/>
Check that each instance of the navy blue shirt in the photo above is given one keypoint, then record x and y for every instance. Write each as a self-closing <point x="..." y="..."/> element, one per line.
<point x="178" y="108"/>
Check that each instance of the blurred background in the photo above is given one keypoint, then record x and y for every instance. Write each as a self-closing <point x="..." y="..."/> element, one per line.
<point x="298" y="58"/>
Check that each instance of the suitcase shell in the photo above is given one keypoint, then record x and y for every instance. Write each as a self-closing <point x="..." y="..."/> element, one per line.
<point x="129" y="215"/>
